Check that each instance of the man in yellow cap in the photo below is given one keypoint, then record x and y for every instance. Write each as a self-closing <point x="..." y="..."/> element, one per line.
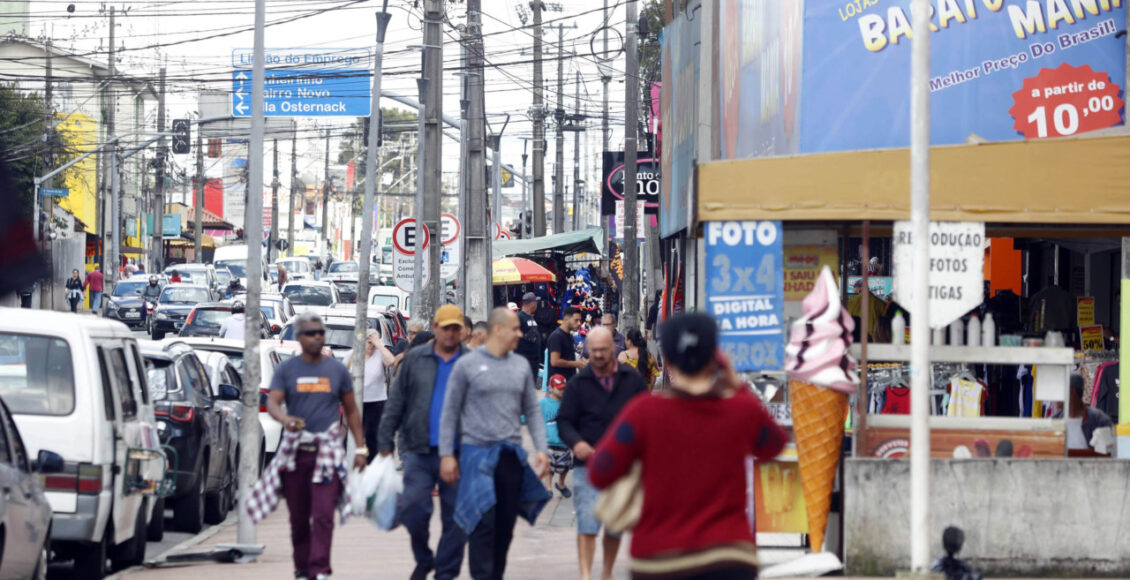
<point x="414" y="407"/>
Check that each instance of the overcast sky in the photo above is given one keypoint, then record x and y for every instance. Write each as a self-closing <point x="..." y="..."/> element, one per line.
<point x="195" y="40"/>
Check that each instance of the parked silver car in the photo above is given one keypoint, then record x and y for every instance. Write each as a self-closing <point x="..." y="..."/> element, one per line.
<point x="23" y="506"/>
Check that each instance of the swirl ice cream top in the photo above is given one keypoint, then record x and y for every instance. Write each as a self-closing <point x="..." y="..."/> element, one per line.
<point x="817" y="352"/>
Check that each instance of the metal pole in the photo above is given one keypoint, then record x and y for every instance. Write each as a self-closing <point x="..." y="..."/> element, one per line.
<point x="605" y="129"/>
<point x="539" y="126"/>
<point x="496" y="176"/>
<point x="253" y="235"/>
<point x="432" y="169"/>
<point x="559" y="114"/>
<point x="629" y="295"/>
<point x="464" y="185"/>
<point x="478" y="230"/>
<point x="198" y="203"/>
<point x="372" y="174"/>
<point x="326" y="199"/>
<point x="110" y="248"/>
<point x="158" y="209"/>
<point x="605" y="78"/>
<point x="920" y="329"/>
<point x="418" y="256"/>
<point x="577" y="151"/>
<point x="293" y="188"/>
<point x="526" y="206"/>
<point x="271" y="250"/>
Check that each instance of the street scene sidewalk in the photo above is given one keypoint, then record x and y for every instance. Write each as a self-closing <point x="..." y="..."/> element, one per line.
<point x="548" y="550"/>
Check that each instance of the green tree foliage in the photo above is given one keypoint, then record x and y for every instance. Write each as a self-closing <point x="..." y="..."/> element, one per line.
<point x="352" y="148"/>
<point x="24" y="148"/>
<point x="21" y="143"/>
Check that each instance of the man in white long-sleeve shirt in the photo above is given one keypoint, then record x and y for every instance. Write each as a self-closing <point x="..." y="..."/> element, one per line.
<point x="235" y="326"/>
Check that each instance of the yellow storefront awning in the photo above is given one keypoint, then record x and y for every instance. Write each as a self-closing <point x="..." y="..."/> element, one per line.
<point x="1061" y="181"/>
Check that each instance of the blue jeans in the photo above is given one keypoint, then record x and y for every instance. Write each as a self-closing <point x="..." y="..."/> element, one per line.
<point x="421" y="475"/>
<point x="95" y="301"/>
<point x="585" y="497"/>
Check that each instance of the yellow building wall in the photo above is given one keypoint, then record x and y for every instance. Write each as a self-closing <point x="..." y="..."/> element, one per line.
<point x="80" y="133"/>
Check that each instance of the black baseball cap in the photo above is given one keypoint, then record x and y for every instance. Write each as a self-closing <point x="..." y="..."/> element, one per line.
<point x="689" y="341"/>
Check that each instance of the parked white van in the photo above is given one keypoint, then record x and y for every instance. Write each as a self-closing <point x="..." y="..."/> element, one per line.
<point x="76" y="385"/>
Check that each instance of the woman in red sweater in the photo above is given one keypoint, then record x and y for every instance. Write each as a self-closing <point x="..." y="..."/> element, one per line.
<point x="694" y="443"/>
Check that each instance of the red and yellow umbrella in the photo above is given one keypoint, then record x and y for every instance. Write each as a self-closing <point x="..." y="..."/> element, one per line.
<point x="506" y="271"/>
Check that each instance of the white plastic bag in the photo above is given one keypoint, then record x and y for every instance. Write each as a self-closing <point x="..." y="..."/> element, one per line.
<point x="360" y="490"/>
<point x="383" y="484"/>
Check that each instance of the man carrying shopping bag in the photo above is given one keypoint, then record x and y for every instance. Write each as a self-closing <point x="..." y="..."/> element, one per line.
<point x="310" y="465"/>
<point x="413" y="409"/>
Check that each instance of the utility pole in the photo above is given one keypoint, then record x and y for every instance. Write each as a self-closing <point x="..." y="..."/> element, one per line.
<point x="496" y="170"/>
<point x="46" y="290"/>
<point x="372" y="173"/>
<point x="464" y="185"/>
<point x="605" y="128"/>
<point x="271" y="250"/>
<point x="478" y="256"/>
<point x="431" y="170"/>
<point x="110" y="245"/>
<point x="630" y="293"/>
<point x="158" y="206"/>
<point x="559" y="115"/>
<point x="577" y="152"/>
<point x="198" y="203"/>
<point x="326" y="198"/>
<point x="539" y="126"/>
<point x="919" y="307"/>
<point x="253" y="234"/>
<point x="526" y="206"/>
<point x="605" y="78"/>
<point x="293" y="188"/>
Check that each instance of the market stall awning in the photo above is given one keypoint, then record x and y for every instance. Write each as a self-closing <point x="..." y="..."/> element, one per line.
<point x="590" y="240"/>
<point x="1060" y="181"/>
<point x="506" y="271"/>
<point x="211" y="220"/>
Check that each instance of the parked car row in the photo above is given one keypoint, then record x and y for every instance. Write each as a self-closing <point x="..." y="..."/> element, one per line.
<point x="101" y="432"/>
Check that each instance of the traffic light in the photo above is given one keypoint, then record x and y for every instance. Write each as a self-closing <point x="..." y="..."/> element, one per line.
<point x="182" y="136"/>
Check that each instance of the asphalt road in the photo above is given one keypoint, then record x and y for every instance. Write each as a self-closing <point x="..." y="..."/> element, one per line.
<point x="65" y="570"/>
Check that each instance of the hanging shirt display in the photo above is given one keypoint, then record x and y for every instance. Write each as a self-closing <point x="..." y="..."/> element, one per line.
<point x="965" y="398"/>
<point x="897" y="401"/>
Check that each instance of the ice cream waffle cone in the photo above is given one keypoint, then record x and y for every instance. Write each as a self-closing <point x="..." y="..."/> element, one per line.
<point x="818" y="425"/>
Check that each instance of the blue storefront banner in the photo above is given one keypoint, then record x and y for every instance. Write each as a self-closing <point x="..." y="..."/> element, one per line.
<point x="744" y="291"/>
<point x="819" y="76"/>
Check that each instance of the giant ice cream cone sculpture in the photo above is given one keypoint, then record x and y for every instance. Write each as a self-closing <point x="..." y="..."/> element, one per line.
<point x="821" y="376"/>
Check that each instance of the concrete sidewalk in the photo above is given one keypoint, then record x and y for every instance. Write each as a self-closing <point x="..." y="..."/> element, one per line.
<point x="547" y="550"/>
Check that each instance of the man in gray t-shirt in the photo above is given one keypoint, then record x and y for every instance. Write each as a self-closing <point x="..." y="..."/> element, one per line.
<point x="315" y="388"/>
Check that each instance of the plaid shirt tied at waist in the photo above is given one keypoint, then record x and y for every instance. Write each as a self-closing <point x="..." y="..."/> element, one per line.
<point x="266" y="493"/>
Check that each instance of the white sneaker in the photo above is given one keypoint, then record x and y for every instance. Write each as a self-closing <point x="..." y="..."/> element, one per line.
<point x="322" y="577"/>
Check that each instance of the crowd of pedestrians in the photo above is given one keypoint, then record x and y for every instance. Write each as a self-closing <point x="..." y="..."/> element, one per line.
<point x="450" y="403"/>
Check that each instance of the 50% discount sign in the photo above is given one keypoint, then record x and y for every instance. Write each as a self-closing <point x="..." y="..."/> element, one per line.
<point x="1065" y="101"/>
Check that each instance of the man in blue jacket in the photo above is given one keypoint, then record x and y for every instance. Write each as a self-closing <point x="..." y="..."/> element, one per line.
<point x="414" y="406"/>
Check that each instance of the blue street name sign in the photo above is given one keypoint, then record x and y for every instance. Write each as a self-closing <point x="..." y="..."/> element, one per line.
<point x="300" y="82"/>
<point x="54" y="192"/>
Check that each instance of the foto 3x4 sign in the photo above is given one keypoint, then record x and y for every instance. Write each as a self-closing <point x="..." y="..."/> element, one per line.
<point x="745" y="291"/>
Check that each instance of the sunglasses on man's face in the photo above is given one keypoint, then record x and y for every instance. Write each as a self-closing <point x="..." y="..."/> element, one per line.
<point x="312" y="333"/>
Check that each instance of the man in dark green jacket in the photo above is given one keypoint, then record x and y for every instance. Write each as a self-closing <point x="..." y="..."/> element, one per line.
<point x="414" y="408"/>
